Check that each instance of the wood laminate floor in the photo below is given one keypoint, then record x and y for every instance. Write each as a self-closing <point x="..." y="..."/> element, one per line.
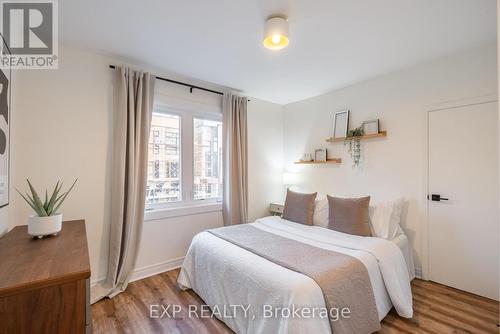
<point x="437" y="309"/>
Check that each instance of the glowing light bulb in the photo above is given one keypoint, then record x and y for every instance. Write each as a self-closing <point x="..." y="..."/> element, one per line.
<point x="276" y="39"/>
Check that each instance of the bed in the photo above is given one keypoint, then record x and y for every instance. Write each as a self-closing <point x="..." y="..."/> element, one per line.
<point x="223" y="274"/>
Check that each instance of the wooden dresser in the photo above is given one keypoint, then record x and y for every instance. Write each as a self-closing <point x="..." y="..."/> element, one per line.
<point x="44" y="283"/>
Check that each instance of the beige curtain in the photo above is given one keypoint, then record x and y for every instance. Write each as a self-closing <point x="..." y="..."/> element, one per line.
<point x="235" y="201"/>
<point x="133" y="106"/>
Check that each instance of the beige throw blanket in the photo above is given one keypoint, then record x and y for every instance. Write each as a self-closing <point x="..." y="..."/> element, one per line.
<point x="343" y="279"/>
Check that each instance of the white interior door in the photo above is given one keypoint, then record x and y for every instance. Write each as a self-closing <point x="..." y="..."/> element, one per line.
<point x="463" y="227"/>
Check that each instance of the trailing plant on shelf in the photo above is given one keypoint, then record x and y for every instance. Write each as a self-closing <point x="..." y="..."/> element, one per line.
<point x="353" y="139"/>
<point x="47" y="220"/>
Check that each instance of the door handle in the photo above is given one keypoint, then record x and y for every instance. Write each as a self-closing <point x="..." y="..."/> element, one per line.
<point x="437" y="198"/>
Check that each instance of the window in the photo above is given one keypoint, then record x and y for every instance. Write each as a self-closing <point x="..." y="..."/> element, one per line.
<point x="172" y="141"/>
<point x="185" y="159"/>
<point x="172" y="170"/>
<point x="207" y="158"/>
<point x="157" y="169"/>
<point x="163" y="184"/>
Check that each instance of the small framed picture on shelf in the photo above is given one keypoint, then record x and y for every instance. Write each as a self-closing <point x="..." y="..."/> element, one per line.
<point x="340" y="123"/>
<point x="320" y="155"/>
<point x="371" y="127"/>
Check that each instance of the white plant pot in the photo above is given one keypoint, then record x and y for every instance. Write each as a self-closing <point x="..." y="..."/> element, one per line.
<point x="41" y="226"/>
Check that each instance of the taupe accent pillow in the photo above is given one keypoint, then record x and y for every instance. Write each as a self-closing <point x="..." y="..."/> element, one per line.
<point x="299" y="207"/>
<point x="349" y="215"/>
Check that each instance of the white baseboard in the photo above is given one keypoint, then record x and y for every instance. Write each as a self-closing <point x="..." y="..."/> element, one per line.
<point x="418" y="272"/>
<point x="157" y="268"/>
<point x="153" y="269"/>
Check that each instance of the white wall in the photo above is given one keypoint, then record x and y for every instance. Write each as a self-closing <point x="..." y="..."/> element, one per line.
<point x="392" y="166"/>
<point x="164" y="242"/>
<point x="61" y="130"/>
<point x="265" y="156"/>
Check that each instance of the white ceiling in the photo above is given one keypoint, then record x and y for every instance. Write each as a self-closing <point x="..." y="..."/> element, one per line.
<point x="333" y="43"/>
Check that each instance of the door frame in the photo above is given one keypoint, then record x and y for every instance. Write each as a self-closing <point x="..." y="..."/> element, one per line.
<point x="424" y="202"/>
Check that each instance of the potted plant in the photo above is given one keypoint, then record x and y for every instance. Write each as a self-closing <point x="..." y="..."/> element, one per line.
<point x="353" y="139"/>
<point x="46" y="221"/>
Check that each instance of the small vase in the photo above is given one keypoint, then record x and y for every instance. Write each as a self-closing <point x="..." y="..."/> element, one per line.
<point x="42" y="226"/>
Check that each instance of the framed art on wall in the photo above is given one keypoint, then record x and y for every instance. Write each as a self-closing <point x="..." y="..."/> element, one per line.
<point x="5" y="117"/>
<point x="340" y="124"/>
<point x="371" y="127"/>
<point x="320" y="155"/>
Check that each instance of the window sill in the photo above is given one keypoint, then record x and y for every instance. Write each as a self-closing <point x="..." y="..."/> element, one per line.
<point x="158" y="214"/>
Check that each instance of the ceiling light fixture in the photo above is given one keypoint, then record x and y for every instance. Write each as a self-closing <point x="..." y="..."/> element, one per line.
<point x="276" y="32"/>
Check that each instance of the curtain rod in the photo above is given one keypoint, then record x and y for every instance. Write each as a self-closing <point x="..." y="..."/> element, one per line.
<point x="191" y="87"/>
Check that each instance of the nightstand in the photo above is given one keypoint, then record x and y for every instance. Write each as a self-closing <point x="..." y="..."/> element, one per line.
<point x="276" y="208"/>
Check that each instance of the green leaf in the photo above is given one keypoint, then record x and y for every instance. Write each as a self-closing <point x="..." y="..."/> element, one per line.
<point x="37" y="200"/>
<point x="38" y="210"/>
<point x="53" y="198"/>
<point x="30" y="203"/>
<point x="62" y="198"/>
<point x="31" y="200"/>
<point x="46" y="199"/>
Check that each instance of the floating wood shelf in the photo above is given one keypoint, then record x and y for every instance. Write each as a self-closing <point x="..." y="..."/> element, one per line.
<point x="377" y="135"/>
<point x="328" y="161"/>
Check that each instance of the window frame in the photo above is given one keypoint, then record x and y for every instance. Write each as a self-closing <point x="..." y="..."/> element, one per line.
<point x="208" y="118"/>
<point x="160" y="206"/>
<point x="187" y="205"/>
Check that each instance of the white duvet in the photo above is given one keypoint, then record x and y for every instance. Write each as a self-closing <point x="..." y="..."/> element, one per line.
<point x="222" y="273"/>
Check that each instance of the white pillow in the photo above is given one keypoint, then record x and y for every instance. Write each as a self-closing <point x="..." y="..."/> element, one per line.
<point x="320" y="217"/>
<point x="385" y="218"/>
